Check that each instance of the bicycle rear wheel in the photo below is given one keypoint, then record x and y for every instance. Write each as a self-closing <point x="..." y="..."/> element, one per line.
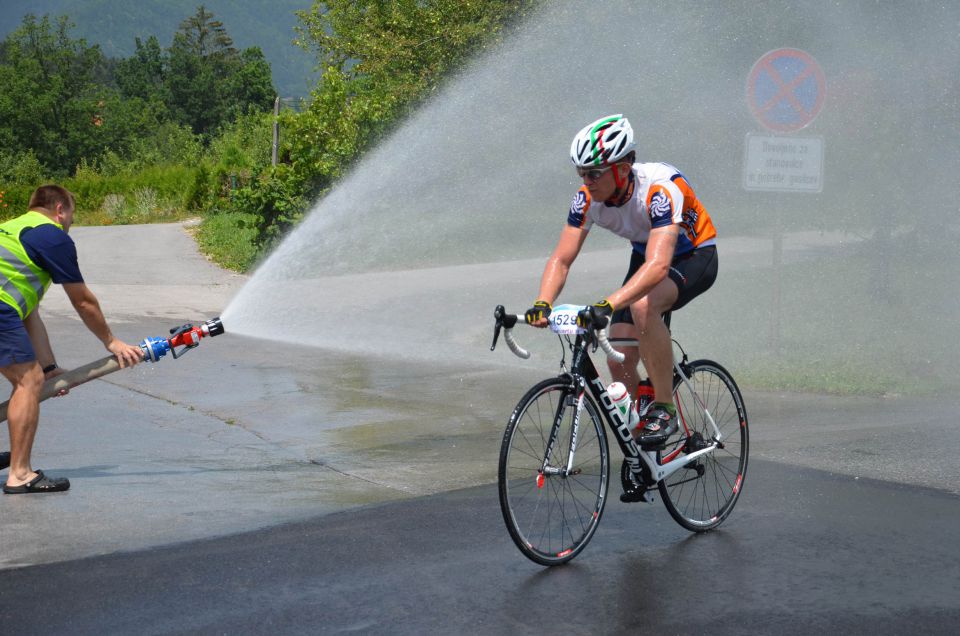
<point x="552" y="513"/>
<point x="702" y="494"/>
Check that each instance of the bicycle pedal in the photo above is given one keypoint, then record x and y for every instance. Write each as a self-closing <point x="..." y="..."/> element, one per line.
<point x="633" y="496"/>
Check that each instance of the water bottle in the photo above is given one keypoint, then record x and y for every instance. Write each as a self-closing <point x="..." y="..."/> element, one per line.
<point x="622" y="403"/>
<point x="644" y="397"/>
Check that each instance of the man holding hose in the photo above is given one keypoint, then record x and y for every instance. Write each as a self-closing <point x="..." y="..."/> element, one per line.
<point x="35" y="250"/>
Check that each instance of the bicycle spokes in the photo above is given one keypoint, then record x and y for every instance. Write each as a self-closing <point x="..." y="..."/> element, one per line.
<point x="701" y="493"/>
<point x="553" y="472"/>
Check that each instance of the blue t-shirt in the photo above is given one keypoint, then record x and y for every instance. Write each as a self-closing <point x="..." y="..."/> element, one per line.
<point x="54" y="251"/>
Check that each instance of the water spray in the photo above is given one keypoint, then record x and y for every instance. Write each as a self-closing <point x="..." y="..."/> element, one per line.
<point x="182" y="339"/>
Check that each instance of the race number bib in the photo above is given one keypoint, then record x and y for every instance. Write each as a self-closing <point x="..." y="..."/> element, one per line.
<point x="563" y="319"/>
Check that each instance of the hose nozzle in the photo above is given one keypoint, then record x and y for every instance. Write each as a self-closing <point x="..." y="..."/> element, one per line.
<point x="213" y="327"/>
<point x="182" y="339"/>
<point x="154" y="348"/>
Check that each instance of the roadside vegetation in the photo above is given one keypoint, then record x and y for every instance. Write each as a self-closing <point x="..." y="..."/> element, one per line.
<point x="843" y="326"/>
<point x="187" y="131"/>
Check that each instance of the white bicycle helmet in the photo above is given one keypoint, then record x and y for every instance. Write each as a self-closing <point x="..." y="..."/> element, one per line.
<point x="604" y="142"/>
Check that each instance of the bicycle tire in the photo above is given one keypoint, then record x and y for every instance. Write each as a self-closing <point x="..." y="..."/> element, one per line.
<point x="551" y="518"/>
<point x="700" y="496"/>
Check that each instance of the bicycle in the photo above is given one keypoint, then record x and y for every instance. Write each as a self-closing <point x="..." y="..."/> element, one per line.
<point x="554" y="467"/>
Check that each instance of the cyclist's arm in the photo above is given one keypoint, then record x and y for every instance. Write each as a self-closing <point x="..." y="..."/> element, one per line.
<point x="558" y="265"/>
<point x="659" y="255"/>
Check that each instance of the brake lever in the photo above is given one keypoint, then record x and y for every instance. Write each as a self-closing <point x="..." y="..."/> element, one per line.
<point x="498" y="316"/>
<point x="503" y="321"/>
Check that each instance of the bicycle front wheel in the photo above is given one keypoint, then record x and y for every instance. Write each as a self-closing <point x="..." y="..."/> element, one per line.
<point x="551" y="506"/>
<point x="702" y="494"/>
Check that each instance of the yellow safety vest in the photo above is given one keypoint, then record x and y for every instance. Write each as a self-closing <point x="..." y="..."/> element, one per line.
<point x="22" y="282"/>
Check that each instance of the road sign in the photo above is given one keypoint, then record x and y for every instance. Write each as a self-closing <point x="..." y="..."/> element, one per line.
<point x="783" y="164"/>
<point x="786" y="89"/>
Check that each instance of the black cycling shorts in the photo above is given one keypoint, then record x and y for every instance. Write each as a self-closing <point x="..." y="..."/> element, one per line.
<point x="693" y="273"/>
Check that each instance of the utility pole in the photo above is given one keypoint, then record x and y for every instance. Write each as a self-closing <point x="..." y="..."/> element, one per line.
<point x="276" y="129"/>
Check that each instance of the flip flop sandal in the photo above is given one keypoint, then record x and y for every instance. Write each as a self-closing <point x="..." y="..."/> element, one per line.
<point x="40" y="483"/>
<point x="4" y="460"/>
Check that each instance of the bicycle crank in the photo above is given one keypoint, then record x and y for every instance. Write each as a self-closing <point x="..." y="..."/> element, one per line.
<point x="633" y="491"/>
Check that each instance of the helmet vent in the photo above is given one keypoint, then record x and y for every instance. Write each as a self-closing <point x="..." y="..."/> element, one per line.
<point x="605" y="141"/>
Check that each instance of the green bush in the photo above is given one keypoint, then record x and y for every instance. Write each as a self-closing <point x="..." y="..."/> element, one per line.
<point x="20" y="169"/>
<point x="152" y="194"/>
<point x="169" y="143"/>
<point x="19" y="176"/>
<point x="229" y="239"/>
<point x="245" y="145"/>
<point x="197" y="197"/>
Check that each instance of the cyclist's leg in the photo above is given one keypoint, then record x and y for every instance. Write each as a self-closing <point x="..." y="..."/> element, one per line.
<point x="623" y="337"/>
<point x="656" y="350"/>
<point x="690" y="275"/>
<point x="693" y="273"/>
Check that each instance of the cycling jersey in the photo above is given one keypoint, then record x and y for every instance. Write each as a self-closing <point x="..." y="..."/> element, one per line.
<point x="661" y="197"/>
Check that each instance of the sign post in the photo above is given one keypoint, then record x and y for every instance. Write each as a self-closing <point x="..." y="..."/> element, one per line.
<point x="786" y="89"/>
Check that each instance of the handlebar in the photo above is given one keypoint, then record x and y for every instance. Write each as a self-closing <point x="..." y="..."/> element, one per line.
<point x="508" y="321"/>
<point x="608" y="349"/>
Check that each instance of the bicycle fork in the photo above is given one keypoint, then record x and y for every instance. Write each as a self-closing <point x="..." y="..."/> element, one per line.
<point x="546" y="469"/>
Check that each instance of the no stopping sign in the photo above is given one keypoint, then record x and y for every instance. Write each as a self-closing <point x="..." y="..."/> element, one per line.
<point x="786" y="89"/>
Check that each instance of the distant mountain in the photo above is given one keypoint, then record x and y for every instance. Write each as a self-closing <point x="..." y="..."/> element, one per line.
<point x="114" y="25"/>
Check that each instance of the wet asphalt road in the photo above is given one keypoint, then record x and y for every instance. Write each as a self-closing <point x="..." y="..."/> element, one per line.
<point x="804" y="552"/>
<point x="256" y="486"/>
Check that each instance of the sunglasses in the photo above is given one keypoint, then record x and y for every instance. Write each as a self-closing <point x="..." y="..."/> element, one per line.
<point x="592" y="173"/>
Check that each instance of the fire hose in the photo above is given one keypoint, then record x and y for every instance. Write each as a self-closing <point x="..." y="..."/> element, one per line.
<point x="181" y="340"/>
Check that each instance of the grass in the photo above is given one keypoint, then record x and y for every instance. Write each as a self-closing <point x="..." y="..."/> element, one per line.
<point x="866" y="322"/>
<point x="228" y="239"/>
<point x="151" y="195"/>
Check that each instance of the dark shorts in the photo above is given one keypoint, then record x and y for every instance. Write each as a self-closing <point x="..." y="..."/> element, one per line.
<point x="15" y="346"/>
<point x="693" y="273"/>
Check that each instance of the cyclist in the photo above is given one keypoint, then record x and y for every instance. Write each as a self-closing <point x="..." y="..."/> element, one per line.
<point x="673" y="259"/>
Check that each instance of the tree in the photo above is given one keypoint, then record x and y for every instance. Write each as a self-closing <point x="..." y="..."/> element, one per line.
<point x="142" y="74"/>
<point x="249" y="85"/>
<point x="208" y="81"/>
<point x="52" y="103"/>
<point x="191" y="83"/>
<point x="205" y="36"/>
<point x="379" y="59"/>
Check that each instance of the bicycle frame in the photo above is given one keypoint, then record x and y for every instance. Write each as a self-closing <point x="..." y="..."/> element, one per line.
<point x="584" y="375"/>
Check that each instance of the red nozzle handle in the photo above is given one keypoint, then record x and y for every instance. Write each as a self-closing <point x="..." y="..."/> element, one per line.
<point x="189" y="336"/>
